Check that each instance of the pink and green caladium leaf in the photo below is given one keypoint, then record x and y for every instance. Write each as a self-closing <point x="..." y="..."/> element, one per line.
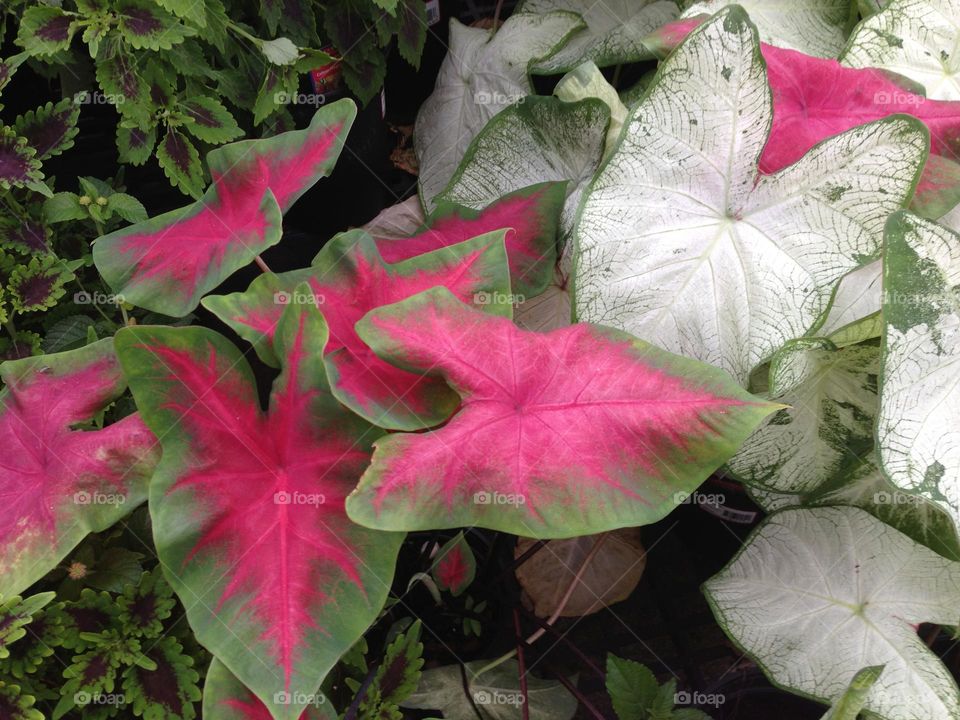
<point x="567" y="433"/>
<point x="348" y="278"/>
<point x="681" y="241"/>
<point x="226" y="698"/>
<point x="58" y="483"/>
<point x="531" y="215"/>
<point x="454" y="566"/>
<point x="248" y="507"/>
<point x="169" y="262"/>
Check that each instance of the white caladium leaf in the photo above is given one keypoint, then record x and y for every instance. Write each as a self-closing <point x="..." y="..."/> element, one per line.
<point x="827" y="428"/>
<point x="614" y="33"/>
<point x="850" y="704"/>
<point x="540" y="140"/>
<point x="854" y="314"/>
<point x="917" y="429"/>
<point x="482" y="74"/>
<point x="816" y="595"/>
<point x="816" y="27"/>
<point x="914" y="38"/>
<point x="681" y="242"/>
<point x="398" y="221"/>
<point x="586" y="81"/>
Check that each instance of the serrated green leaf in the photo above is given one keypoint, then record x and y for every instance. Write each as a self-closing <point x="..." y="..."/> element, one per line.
<point x="39" y="284"/>
<point x="50" y="129"/>
<point x="127" y="207"/>
<point x="144" y="26"/>
<point x="280" y="51"/>
<point x="412" y="30"/>
<point x="181" y="163"/>
<point x="631" y="686"/>
<point x="45" y="30"/>
<point x="64" y="206"/>
<point x="210" y="121"/>
<point x="135" y="145"/>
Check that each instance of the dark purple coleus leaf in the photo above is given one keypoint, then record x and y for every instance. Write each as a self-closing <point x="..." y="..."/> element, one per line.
<point x="180" y="161"/>
<point x="573" y="432"/>
<point x="412" y="33"/>
<point x="348" y="278"/>
<point x="210" y="120"/>
<point x="248" y="507"/>
<point x="145" y="26"/>
<point x="171" y="687"/>
<point x="169" y="262"/>
<point x="135" y="145"/>
<point x="28" y="236"/>
<point x="56" y="483"/>
<point x="530" y="216"/>
<point x="51" y="129"/>
<point x="19" y="166"/>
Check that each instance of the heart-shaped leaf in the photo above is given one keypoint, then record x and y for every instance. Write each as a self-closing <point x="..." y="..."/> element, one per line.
<point x="348" y="278"/>
<point x="58" y="484"/>
<point x="615" y="29"/>
<point x="913" y="38"/>
<point x="482" y="74"/>
<point x="247" y="507"/>
<point x="826" y="428"/>
<point x="169" y="262"/>
<point x="682" y="243"/>
<point x="226" y="698"/>
<point x="816" y="27"/>
<point x="542" y="139"/>
<point x="574" y="432"/>
<point x="816" y="595"/>
<point x="530" y="213"/>
<point x="919" y="395"/>
<point x="454" y="565"/>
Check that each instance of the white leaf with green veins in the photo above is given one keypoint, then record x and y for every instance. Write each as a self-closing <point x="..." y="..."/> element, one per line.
<point x="481" y="75"/>
<point x="538" y="140"/>
<point x="815" y="27"/>
<point x="614" y="33"/>
<point x="682" y="243"/>
<point x="854" y="314"/>
<point x="914" y="38"/>
<point x="918" y="428"/>
<point x="816" y="595"/>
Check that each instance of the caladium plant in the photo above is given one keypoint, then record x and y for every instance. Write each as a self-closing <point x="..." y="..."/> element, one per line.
<point x="348" y="278"/>
<point x="59" y="482"/>
<point x="537" y="448"/>
<point x="166" y="264"/>
<point x="248" y="507"/>
<point x="770" y="249"/>
<point x="919" y="398"/>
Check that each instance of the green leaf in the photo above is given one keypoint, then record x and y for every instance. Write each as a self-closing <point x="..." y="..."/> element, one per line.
<point x="552" y="139"/>
<point x="816" y="595"/>
<point x="50" y="129"/>
<point x="67" y="333"/>
<point x="481" y="75"/>
<point x="495" y="694"/>
<point x="586" y="81"/>
<point x="396" y="678"/>
<point x="45" y="30"/>
<point x="114" y="568"/>
<point x="181" y="163"/>
<point x="64" y="206"/>
<point x="135" y="145"/>
<point x="145" y="26"/>
<point x="17" y="704"/>
<point x="815" y="27"/>
<point x="919" y="395"/>
<point x="613" y="34"/>
<point x="280" y="51"/>
<point x="364" y="75"/>
<point x="224" y="695"/>
<point x="15" y="614"/>
<point x="145" y="604"/>
<point x="193" y="11"/>
<point x="683" y="242"/>
<point x="850" y="704"/>
<point x="632" y="688"/>
<point x="916" y="39"/>
<point x="127" y="207"/>
<point x="167" y="691"/>
<point x="412" y="32"/>
<point x="279" y="84"/>
<point x="210" y="121"/>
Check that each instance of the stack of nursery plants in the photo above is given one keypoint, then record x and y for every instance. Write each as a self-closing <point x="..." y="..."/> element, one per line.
<point x="747" y="260"/>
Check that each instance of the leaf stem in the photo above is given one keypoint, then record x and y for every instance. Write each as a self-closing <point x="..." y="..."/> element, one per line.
<point x="496" y="17"/>
<point x="262" y="265"/>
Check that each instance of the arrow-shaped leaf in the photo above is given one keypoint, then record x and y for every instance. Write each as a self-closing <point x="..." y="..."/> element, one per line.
<point x="568" y="433"/>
